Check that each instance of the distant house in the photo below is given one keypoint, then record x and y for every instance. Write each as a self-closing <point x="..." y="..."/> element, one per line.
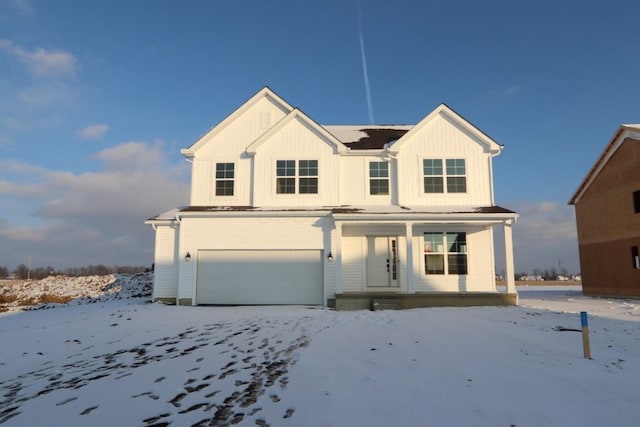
<point x="607" y="206"/>
<point x="286" y="211"/>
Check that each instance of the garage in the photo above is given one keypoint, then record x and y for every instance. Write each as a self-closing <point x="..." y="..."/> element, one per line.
<point x="246" y="277"/>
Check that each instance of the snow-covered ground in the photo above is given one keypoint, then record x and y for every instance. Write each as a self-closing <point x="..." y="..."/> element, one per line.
<point x="107" y="361"/>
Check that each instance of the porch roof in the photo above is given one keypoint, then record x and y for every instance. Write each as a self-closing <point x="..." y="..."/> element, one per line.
<point x="350" y="213"/>
<point x="436" y="214"/>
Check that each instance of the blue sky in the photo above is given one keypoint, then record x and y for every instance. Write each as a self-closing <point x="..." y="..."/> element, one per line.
<point x="97" y="98"/>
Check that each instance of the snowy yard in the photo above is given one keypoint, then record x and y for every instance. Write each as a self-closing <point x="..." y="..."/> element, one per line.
<point x="125" y="362"/>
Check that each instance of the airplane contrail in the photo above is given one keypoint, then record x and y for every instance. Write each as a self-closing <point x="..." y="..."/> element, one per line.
<point x="364" y="64"/>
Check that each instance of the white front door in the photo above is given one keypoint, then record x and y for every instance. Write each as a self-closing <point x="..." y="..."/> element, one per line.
<point x="382" y="261"/>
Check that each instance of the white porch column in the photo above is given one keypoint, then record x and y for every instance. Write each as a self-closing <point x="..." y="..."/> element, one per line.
<point x="338" y="258"/>
<point x="508" y="257"/>
<point x="409" y="237"/>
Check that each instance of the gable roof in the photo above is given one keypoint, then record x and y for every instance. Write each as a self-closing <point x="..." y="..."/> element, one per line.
<point x="265" y="92"/>
<point x="294" y="114"/>
<point x="624" y="131"/>
<point x="459" y="121"/>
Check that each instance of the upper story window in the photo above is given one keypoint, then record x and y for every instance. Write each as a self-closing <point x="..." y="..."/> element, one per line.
<point x="378" y="178"/>
<point x="454" y="174"/>
<point x="303" y="178"/>
<point x="224" y="179"/>
<point x="445" y="252"/>
<point x="636" y="201"/>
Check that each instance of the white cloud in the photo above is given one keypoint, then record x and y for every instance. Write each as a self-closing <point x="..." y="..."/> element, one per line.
<point x="43" y="63"/>
<point x="93" y="131"/>
<point x="133" y="156"/>
<point x="22" y="7"/>
<point x="512" y="90"/>
<point x="89" y="218"/>
<point x="544" y="234"/>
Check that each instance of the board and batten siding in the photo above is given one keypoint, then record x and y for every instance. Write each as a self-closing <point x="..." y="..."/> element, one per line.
<point x="228" y="145"/>
<point x="295" y="141"/>
<point x="165" y="273"/>
<point x="481" y="277"/>
<point x="354" y="181"/>
<point x="251" y="233"/>
<point x="440" y="139"/>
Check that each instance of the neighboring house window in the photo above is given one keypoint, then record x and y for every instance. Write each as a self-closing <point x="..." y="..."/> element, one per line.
<point x="636" y="257"/>
<point x="224" y="179"/>
<point x="445" y="252"/>
<point x="435" y="176"/>
<point x="378" y="178"/>
<point x="636" y="201"/>
<point x="307" y="176"/>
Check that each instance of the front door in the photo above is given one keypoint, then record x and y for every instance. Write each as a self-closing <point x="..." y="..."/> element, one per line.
<point x="382" y="261"/>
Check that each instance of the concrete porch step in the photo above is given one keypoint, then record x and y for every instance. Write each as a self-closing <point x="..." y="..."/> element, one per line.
<point x="385" y="304"/>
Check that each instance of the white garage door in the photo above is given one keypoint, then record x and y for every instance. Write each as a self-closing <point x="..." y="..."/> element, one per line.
<point x="259" y="277"/>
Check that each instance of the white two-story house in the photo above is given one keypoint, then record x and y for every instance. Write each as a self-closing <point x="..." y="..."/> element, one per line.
<point x="286" y="211"/>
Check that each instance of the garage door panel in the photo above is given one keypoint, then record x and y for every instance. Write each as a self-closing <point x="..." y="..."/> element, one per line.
<point x="259" y="277"/>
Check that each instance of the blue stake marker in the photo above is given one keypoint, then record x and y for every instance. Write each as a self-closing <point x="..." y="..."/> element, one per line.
<point x="585" y="335"/>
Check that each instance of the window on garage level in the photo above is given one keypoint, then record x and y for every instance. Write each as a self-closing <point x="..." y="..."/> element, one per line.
<point x="445" y="252"/>
<point x="636" y="201"/>
<point x="635" y="257"/>
<point x="224" y="179"/>
<point x="303" y="179"/>
<point x="378" y="178"/>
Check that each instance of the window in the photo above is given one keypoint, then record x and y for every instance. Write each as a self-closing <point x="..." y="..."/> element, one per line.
<point x="378" y="178"/>
<point x="445" y="252"/>
<point x="307" y="176"/>
<point x="224" y="179"/>
<point x="636" y="201"/>
<point x="635" y="257"/>
<point x="308" y="180"/>
<point x="456" y="176"/>
<point x="454" y="172"/>
<point x="432" y="176"/>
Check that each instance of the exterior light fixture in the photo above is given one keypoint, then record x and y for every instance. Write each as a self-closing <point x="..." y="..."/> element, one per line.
<point x="187" y="257"/>
<point x="330" y="257"/>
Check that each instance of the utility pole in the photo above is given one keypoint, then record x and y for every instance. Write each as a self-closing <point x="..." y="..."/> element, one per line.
<point x="29" y="268"/>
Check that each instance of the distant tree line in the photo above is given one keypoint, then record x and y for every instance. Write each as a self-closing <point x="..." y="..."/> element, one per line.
<point x="23" y="272"/>
<point x="546" y="274"/>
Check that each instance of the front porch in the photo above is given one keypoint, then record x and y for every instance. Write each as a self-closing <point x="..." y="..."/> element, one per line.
<point x="365" y="300"/>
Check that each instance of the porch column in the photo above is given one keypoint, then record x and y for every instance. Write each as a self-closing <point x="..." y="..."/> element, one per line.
<point x="338" y="258"/>
<point x="508" y="256"/>
<point x="409" y="238"/>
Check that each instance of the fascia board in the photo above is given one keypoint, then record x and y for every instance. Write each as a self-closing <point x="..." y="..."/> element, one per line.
<point x="458" y="120"/>
<point x="265" y="92"/>
<point x="619" y="137"/>
<point x="294" y="114"/>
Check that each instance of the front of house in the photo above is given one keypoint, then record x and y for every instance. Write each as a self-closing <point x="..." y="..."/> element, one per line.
<point x="286" y="211"/>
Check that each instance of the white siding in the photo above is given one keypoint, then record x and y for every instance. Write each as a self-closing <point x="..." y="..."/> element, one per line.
<point x="295" y="141"/>
<point x="165" y="276"/>
<point x="353" y="264"/>
<point x="228" y="145"/>
<point x="354" y="181"/>
<point x="480" y="277"/>
<point x="440" y="139"/>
